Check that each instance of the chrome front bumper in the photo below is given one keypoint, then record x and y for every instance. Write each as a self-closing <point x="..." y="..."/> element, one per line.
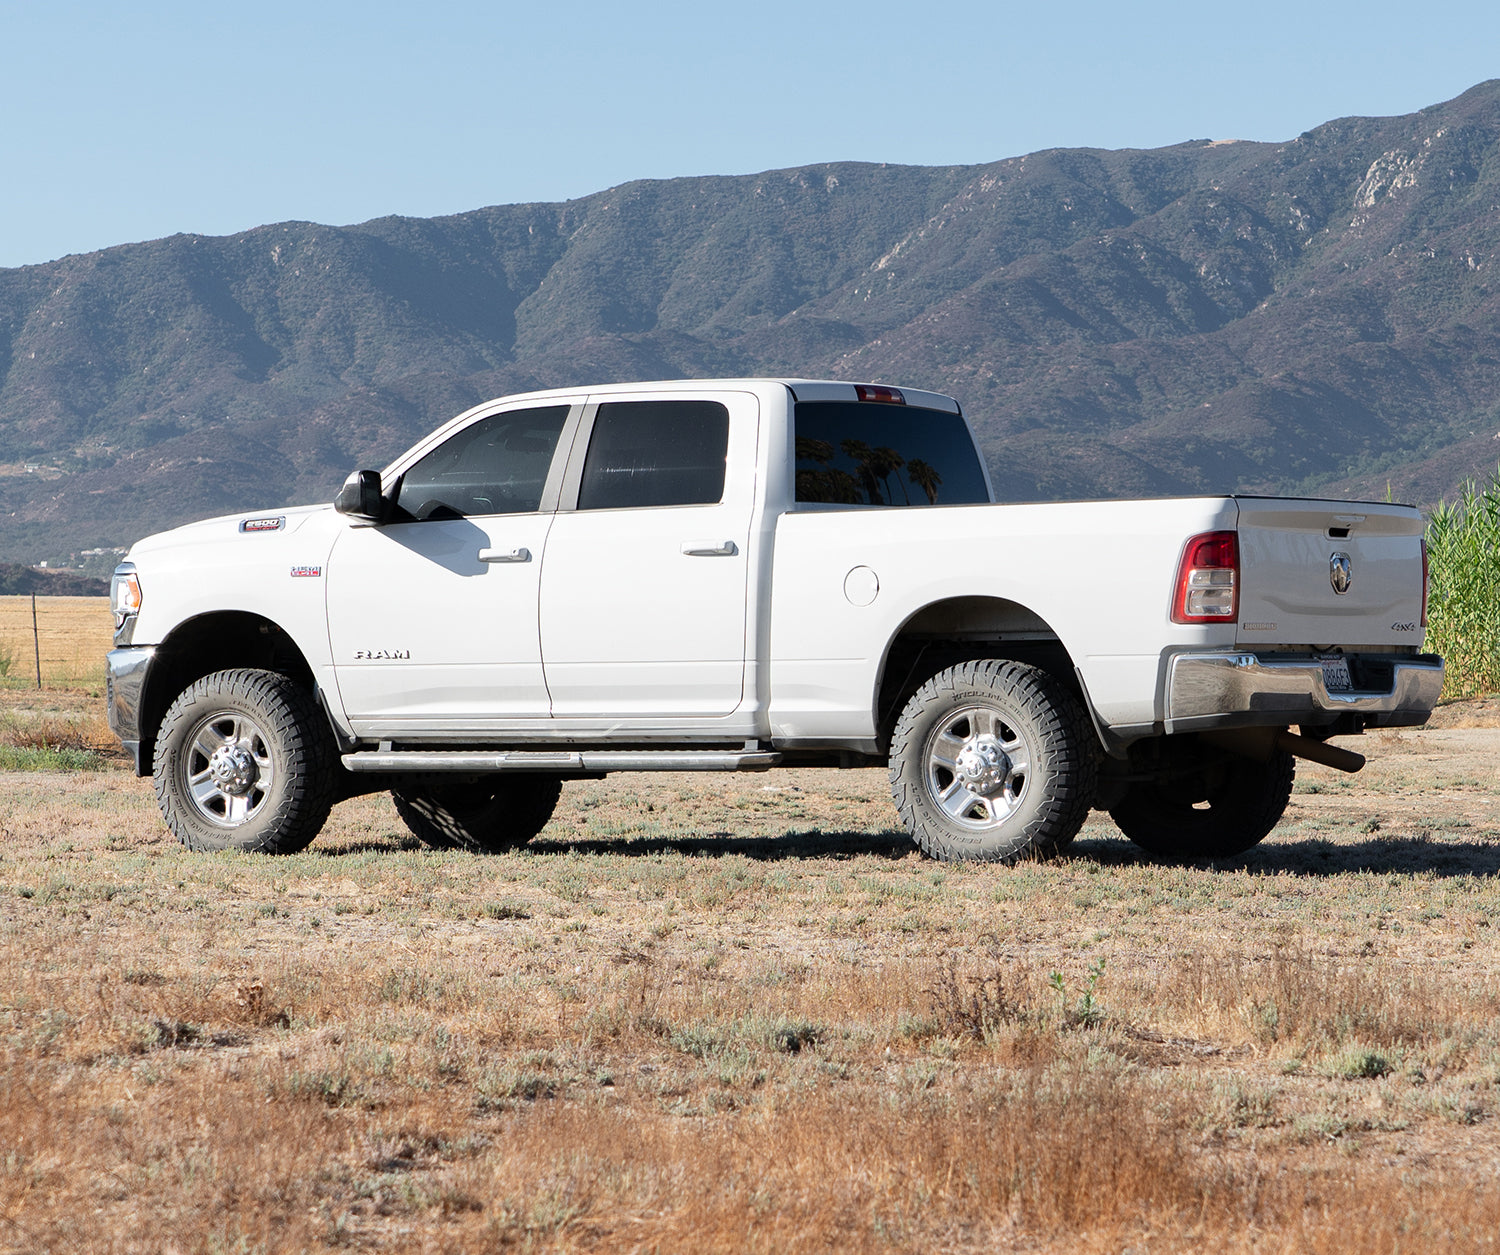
<point x="125" y="681"/>
<point x="1242" y="689"/>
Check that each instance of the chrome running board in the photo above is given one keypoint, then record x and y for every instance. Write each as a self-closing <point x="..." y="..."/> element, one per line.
<point x="553" y="760"/>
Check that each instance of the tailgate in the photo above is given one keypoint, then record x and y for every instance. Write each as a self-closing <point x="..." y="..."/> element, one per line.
<point x="1295" y="556"/>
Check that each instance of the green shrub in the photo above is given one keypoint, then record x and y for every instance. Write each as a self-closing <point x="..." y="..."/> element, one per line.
<point x="49" y="758"/>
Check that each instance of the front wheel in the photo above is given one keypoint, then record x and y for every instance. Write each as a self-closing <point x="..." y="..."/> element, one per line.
<point x="486" y="816"/>
<point x="1217" y="808"/>
<point x="244" y="763"/>
<point x="993" y="761"/>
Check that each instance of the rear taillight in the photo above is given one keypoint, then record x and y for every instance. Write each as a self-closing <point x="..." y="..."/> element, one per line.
<point x="1424" y="581"/>
<point x="879" y="392"/>
<point x="1207" y="589"/>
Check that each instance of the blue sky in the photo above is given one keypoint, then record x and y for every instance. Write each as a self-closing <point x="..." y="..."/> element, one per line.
<point x="124" y="122"/>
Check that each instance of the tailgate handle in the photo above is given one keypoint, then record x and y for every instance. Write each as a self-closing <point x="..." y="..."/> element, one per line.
<point x="710" y="548"/>
<point x="505" y="555"/>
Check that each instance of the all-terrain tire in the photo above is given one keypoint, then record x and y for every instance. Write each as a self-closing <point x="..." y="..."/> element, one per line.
<point x="486" y="816"/>
<point x="244" y="761"/>
<point x="993" y="761"/>
<point x="1231" y="805"/>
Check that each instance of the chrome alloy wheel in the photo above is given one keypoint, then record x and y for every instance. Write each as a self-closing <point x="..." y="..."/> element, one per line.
<point x="227" y="770"/>
<point x="977" y="767"/>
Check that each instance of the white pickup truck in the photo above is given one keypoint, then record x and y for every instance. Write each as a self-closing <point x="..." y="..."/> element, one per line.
<point x="732" y="575"/>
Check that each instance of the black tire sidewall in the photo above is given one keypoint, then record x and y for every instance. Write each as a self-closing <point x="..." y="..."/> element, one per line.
<point x="1244" y="814"/>
<point x="298" y="802"/>
<point x="1055" y="800"/>
<point x="489" y="816"/>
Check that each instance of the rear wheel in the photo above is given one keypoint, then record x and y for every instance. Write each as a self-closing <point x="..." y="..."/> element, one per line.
<point x="244" y="762"/>
<point x="992" y="761"/>
<point x="1216" y="809"/>
<point x="486" y="816"/>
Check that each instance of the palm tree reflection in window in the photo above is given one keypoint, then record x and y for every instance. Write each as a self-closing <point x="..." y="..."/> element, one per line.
<point x="925" y="477"/>
<point x="830" y="484"/>
<point x="872" y="481"/>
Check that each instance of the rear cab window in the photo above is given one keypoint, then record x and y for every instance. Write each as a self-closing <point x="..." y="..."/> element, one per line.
<point x="859" y="453"/>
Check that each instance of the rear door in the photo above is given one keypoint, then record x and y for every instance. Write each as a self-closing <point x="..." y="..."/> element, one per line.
<point x="1319" y="573"/>
<point x="644" y="591"/>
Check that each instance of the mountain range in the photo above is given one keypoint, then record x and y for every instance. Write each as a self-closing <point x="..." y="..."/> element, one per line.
<point x="1313" y="316"/>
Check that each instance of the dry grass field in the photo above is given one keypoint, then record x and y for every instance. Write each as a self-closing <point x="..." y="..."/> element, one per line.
<point x="741" y="1014"/>
<point x="73" y="634"/>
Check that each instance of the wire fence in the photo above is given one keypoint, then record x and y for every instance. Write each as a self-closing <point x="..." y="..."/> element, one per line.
<point x="59" y="641"/>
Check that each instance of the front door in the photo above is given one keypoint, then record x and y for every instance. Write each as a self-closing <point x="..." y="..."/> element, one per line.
<point x="432" y="616"/>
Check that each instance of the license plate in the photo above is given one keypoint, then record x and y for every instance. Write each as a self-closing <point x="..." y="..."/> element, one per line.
<point x="1336" y="674"/>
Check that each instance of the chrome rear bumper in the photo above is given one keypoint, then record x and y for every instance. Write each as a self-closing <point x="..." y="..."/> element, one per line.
<point x="1242" y="688"/>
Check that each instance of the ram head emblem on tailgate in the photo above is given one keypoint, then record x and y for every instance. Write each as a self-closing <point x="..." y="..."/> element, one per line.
<point x="1340" y="572"/>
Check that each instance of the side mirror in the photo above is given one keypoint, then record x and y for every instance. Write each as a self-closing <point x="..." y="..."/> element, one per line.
<point x="360" y="497"/>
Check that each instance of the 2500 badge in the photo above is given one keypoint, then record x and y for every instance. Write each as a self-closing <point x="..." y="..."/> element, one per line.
<point x="381" y="655"/>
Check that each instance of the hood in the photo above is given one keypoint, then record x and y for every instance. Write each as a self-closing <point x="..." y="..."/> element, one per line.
<point x="249" y="527"/>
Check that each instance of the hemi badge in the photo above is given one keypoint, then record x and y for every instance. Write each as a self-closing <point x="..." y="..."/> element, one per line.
<point x="263" y="525"/>
<point x="307" y="572"/>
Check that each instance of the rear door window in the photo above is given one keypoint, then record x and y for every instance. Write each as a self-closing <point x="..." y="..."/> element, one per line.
<point x="859" y="453"/>
<point x="650" y="453"/>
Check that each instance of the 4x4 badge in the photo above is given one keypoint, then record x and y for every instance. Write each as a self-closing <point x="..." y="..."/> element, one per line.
<point x="1339" y="572"/>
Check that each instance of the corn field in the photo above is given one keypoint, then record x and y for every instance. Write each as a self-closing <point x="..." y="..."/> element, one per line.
<point x="1463" y="609"/>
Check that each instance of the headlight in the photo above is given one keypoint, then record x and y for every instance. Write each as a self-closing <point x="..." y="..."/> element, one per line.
<point x="124" y="594"/>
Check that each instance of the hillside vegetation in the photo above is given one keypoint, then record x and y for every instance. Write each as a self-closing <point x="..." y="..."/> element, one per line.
<point x="16" y="579"/>
<point x="1314" y="315"/>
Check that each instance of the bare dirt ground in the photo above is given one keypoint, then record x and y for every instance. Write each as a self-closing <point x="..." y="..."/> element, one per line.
<point x="742" y="1013"/>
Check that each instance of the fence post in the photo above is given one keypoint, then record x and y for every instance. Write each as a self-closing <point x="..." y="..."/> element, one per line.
<point x="36" y="640"/>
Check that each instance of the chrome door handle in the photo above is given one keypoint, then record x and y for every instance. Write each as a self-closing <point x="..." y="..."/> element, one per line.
<point x="709" y="548"/>
<point x="505" y="555"/>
